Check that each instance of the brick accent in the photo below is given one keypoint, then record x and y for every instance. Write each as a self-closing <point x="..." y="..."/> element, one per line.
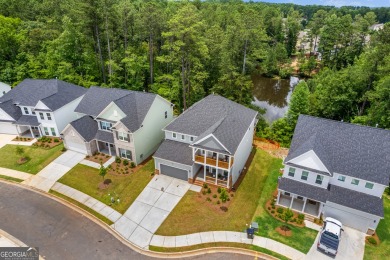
<point x="190" y="180"/>
<point x="156" y="171"/>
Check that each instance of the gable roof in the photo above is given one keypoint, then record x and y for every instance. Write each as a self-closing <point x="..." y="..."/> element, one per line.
<point x="226" y="120"/>
<point x="134" y="104"/>
<point x="53" y="93"/>
<point x="12" y="110"/>
<point x="86" y="127"/>
<point x="357" y="151"/>
<point x="174" y="151"/>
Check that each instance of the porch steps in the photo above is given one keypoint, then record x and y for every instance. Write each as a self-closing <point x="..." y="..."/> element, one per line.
<point x="198" y="183"/>
<point x="309" y="217"/>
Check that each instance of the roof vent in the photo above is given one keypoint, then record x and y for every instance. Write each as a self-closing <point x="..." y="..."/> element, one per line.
<point x="376" y="125"/>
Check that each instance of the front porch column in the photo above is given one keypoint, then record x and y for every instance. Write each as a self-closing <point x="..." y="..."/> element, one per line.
<point x="31" y="131"/>
<point x="228" y="180"/>
<point x="216" y="170"/>
<point x="109" y="149"/>
<point x="204" y="172"/>
<point x="230" y="161"/>
<point x="304" y="205"/>
<point x="17" y="129"/>
<point x="292" y="200"/>
<point x="277" y="200"/>
<point x="40" y="132"/>
<point x="97" y="145"/>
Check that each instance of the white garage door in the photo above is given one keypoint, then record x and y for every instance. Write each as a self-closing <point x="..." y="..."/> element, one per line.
<point x="347" y="218"/>
<point x="75" y="146"/>
<point x="8" y="128"/>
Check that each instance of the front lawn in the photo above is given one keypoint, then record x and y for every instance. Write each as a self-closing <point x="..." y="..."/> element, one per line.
<point x="39" y="157"/>
<point x="381" y="251"/>
<point x="192" y="215"/>
<point x="126" y="187"/>
<point x="301" y="239"/>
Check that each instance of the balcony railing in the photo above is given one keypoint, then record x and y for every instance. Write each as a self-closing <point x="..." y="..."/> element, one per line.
<point x="213" y="162"/>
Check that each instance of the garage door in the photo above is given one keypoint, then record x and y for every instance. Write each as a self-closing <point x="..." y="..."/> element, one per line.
<point x="347" y="219"/>
<point x="174" y="172"/>
<point x="8" y="128"/>
<point x="75" y="146"/>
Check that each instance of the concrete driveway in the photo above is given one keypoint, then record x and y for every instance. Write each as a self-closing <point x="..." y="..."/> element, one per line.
<point x="46" y="178"/>
<point x="351" y="246"/>
<point x="150" y="209"/>
<point x="6" y="139"/>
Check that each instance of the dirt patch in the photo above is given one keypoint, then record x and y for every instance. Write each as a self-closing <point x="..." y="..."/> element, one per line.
<point x="99" y="158"/>
<point x="282" y="231"/>
<point x="271" y="147"/>
<point x="22" y="160"/>
<point x="47" y="142"/>
<point x="22" y="139"/>
<point x="209" y="197"/>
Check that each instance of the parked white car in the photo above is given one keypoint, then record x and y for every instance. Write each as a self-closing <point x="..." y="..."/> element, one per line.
<point x="330" y="236"/>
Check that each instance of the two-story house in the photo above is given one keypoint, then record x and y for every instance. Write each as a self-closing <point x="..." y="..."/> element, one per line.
<point x="118" y="122"/>
<point x="209" y="142"/>
<point x="38" y="107"/>
<point x="338" y="170"/>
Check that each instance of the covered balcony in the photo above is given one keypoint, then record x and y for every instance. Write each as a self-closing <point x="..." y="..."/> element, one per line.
<point x="213" y="159"/>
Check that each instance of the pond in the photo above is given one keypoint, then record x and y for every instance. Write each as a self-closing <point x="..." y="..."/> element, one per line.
<point x="273" y="95"/>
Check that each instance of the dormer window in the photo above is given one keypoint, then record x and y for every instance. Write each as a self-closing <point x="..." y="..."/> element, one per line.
<point x="183" y="137"/>
<point x="26" y="111"/>
<point x="291" y="172"/>
<point x="174" y="135"/>
<point x="166" y="114"/>
<point x="319" y="179"/>
<point x="105" y="125"/>
<point x="192" y="138"/>
<point x="48" y="116"/>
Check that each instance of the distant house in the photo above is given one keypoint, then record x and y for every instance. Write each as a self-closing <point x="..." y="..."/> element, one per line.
<point x="38" y="107"/>
<point x="377" y="27"/>
<point x="338" y="170"/>
<point x="119" y="123"/>
<point x="4" y="88"/>
<point x="208" y="143"/>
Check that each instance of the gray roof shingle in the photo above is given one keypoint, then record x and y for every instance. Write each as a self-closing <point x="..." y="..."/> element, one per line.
<point x="53" y="93"/>
<point x="303" y="189"/>
<point x="134" y="104"/>
<point x="226" y="120"/>
<point x="86" y="126"/>
<point x="358" y="151"/>
<point x="104" y="136"/>
<point x="27" y="120"/>
<point x="12" y="110"/>
<point x="175" y="151"/>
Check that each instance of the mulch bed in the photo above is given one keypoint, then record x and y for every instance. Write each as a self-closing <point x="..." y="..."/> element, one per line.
<point x="47" y="142"/>
<point x="208" y="200"/>
<point x="22" y="139"/>
<point x="268" y="207"/>
<point x="98" y="158"/>
<point x="22" y="160"/>
<point x="286" y="233"/>
<point x="374" y="236"/>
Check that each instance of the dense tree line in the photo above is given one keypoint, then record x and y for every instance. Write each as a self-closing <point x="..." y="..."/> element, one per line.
<point x="184" y="50"/>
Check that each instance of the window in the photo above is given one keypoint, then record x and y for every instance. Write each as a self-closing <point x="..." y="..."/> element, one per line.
<point x="26" y="110"/>
<point x="125" y="154"/>
<point x="174" y="135"/>
<point x="123" y="136"/>
<point x="287" y="193"/>
<point x="291" y="172"/>
<point x="319" y="179"/>
<point x="304" y="176"/>
<point x="202" y="151"/>
<point x="41" y="116"/>
<point x="183" y="137"/>
<point x="46" y="130"/>
<point x="341" y="178"/>
<point x="53" y="131"/>
<point x="48" y="116"/>
<point x="33" y="112"/>
<point x="166" y="114"/>
<point x="355" y="182"/>
<point x="105" y="125"/>
<point x="300" y="197"/>
<point x="192" y="138"/>
<point x="369" y="185"/>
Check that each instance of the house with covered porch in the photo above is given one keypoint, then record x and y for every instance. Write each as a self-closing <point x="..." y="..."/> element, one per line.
<point x="336" y="169"/>
<point x="118" y="122"/>
<point x="39" y="107"/>
<point x="208" y="143"/>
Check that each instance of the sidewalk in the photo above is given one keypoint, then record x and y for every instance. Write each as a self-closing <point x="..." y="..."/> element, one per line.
<point x="6" y="240"/>
<point x="96" y="165"/>
<point x="225" y="236"/>
<point x="15" y="174"/>
<point x="88" y="201"/>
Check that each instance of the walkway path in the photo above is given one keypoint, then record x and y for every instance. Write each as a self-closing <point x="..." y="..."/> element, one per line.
<point x="96" y="165"/>
<point x="88" y="201"/>
<point x="46" y="178"/>
<point x="225" y="236"/>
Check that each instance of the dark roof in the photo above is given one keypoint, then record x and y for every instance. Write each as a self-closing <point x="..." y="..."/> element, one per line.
<point x="134" y="104"/>
<point x="226" y="120"/>
<point x="303" y="189"/>
<point x="27" y="120"/>
<point x="86" y="126"/>
<point x="175" y="151"/>
<point x="12" y="110"/>
<point x="53" y="93"/>
<point x="104" y="136"/>
<point x="356" y="200"/>
<point x="358" y="151"/>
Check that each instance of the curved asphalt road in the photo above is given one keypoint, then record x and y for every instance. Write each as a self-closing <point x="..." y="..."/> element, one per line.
<point x="62" y="233"/>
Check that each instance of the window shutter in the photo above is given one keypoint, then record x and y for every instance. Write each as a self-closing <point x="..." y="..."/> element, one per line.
<point x="128" y="138"/>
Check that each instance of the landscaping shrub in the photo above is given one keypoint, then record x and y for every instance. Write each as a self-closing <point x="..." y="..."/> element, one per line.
<point x="56" y="140"/>
<point x="224" y="209"/>
<point x="205" y="185"/>
<point x="387" y="190"/>
<point x="219" y="190"/>
<point x="87" y="156"/>
<point x="208" y="199"/>
<point x="118" y="159"/>
<point x="218" y="202"/>
<point x="107" y="156"/>
<point x="208" y="190"/>
<point x="301" y="216"/>
<point x="224" y="195"/>
<point x="215" y="196"/>
<point x="273" y="207"/>
<point x="299" y="221"/>
<point x="288" y="214"/>
<point x="294" y="220"/>
<point x="63" y="149"/>
<point x="204" y="192"/>
<point x="272" y="203"/>
<point x="280" y="210"/>
<point x="107" y="181"/>
<point x="231" y="194"/>
<point x="132" y="165"/>
<point x="269" y="208"/>
<point x="285" y="228"/>
<point x="228" y="199"/>
<point x="125" y="162"/>
<point x="273" y="211"/>
<point x="372" y="241"/>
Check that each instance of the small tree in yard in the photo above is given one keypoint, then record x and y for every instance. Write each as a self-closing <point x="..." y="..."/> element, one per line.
<point x="19" y="151"/>
<point x="224" y="196"/>
<point x="102" y="171"/>
<point x="287" y="216"/>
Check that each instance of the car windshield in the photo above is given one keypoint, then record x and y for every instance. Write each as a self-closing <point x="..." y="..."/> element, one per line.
<point x="331" y="235"/>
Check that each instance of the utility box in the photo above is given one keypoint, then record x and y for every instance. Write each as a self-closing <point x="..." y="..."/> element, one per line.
<point x="250" y="232"/>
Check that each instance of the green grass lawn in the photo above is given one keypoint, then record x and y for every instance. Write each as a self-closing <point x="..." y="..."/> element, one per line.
<point x="127" y="186"/>
<point x="381" y="251"/>
<point x="40" y="157"/>
<point x="200" y="217"/>
<point x="302" y="238"/>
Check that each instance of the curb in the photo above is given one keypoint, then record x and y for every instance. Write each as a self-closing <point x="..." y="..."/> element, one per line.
<point x="135" y="248"/>
<point x="12" y="238"/>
